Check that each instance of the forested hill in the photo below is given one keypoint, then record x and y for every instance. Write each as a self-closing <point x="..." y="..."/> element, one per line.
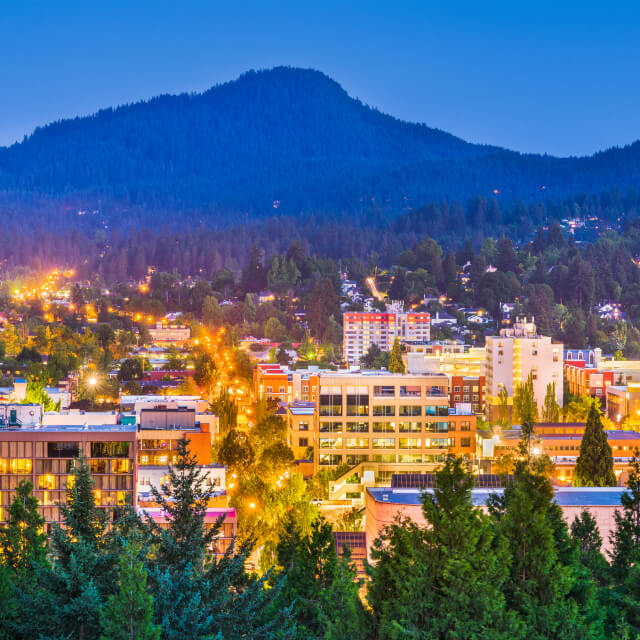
<point x="289" y="138"/>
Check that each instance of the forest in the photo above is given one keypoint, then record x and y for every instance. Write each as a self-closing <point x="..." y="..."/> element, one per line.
<point x="286" y="138"/>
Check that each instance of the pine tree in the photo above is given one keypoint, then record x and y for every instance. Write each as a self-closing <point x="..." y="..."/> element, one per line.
<point x="396" y="365"/>
<point x="22" y="539"/>
<point x="83" y="571"/>
<point x="444" y="580"/>
<point x="625" y="556"/>
<point x="9" y="608"/>
<point x="128" y="614"/>
<point x="594" y="466"/>
<point x="543" y="574"/>
<point x="321" y="588"/>
<point x="585" y="533"/>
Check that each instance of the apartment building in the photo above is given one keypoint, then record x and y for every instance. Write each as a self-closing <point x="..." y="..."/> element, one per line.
<point x="586" y="380"/>
<point x="361" y="330"/>
<point x="280" y="384"/>
<point x="623" y="403"/>
<point x="46" y="455"/>
<point x="519" y="351"/>
<point x="468" y="389"/>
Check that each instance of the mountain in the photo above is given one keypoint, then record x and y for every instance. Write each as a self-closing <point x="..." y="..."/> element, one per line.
<point x="285" y="138"/>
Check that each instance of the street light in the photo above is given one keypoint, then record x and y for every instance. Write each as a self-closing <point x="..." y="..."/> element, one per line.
<point x="92" y="381"/>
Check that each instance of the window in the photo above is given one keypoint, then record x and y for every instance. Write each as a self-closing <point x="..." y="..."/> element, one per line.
<point x="357" y="443"/>
<point x="98" y="466"/>
<point x="63" y="449"/>
<point x="357" y="405"/>
<point x="409" y="391"/>
<point x="303" y="442"/>
<point x="110" y="449"/>
<point x="121" y="466"/>
<point x="269" y="389"/>
<point x="384" y="410"/>
<point x="356" y="458"/>
<point x="409" y="410"/>
<point x="410" y="458"/>
<point x="436" y="427"/>
<point x="330" y="427"/>
<point x="330" y="405"/>
<point x="303" y="426"/>
<point x="384" y="427"/>
<point x="330" y="443"/>
<point x="409" y="443"/>
<point x="409" y="427"/>
<point x="465" y="442"/>
<point x="437" y="443"/>
<point x="329" y="459"/>
<point x="384" y="457"/>
<point x="383" y="443"/>
<point x="357" y="427"/>
<point x="457" y="389"/>
<point x="20" y="466"/>
<point x="384" y="391"/>
<point x="465" y="425"/>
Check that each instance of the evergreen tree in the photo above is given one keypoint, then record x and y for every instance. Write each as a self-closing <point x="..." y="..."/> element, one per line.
<point x="444" y="580"/>
<point x="321" y="588"/>
<point x="22" y="539"/>
<point x="594" y="466"/>
<point x="544" y="579"/>
<point x="10" y="626"/>
<point x="625" y="555"/>
<point x="83" y="571"/>
<point x="128" y="614"/>
<point x="585" y="533"/>
<point x="396" y="365"/>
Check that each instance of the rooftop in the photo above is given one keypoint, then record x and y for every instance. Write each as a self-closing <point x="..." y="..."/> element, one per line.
<point x="65" y="428"/>
<point x="566" y="496"/>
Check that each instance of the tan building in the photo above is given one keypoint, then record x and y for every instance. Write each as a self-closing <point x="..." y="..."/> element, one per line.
<point x="393" y="419"/>
<point x="623" y="403"/>
<point x="517" y="352"/>
<point x="169" y="334"/>
<point x="451" y="358"/>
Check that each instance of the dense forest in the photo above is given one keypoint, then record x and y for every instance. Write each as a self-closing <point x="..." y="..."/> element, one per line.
<point x="286" y="138"/>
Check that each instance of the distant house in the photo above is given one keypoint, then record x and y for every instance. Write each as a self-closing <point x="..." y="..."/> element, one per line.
<point x="444" y="318"/>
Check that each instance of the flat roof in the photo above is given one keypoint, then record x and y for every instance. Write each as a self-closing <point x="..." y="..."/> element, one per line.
<point x="565" y="496"/>
<point x="64" y="428"/>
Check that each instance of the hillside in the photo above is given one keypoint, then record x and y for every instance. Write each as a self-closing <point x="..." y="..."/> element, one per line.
<point x="287" y="136"/>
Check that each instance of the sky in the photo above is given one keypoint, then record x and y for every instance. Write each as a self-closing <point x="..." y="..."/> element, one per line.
<point x="547" y="77"/>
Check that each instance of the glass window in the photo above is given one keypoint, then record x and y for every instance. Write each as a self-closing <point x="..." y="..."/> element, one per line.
<point x="63" y="449"/>
<point x="409" y="427"/>
<point x="436" y="427"/>
<point x="409" y="443"/>
<point x="384" y="391"/>
<point x="409" y="410"/>
<point x="121" y="466"/>
<point x="410" y="458"/>
<point x="356" y="458"/>
<point x="357" y="427"/>
<point x="465" y="442"/>
<point x="384" y="443"/>
<point x="330" y="443"/>
<point x="330" y="404"/>
<point x="437" y="443"/>
<point x="384" y="427"/>
<point x="410" y="391"/>
<point x="303" y="426"/>
<point x="20" y="466"/>
<point x="384" y="410"/>
<point x="329" y="459"/>
<point x="330" y="427"/>
<point x="357" y="405"/>
<point x="357" y="443"/>
<point x="303" y="442"/>
<point x="98" y="466"/>
<point x="430" y="410"/>
<point x="384" y="457"/>
<point x="110" y="449"/>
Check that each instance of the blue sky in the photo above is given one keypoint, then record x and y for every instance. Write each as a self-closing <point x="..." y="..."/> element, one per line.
<point x="558" y="77"/>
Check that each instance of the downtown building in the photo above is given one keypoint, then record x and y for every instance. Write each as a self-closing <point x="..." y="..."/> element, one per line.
<point x="520" y="351"/>
<point x="362" y="329"/>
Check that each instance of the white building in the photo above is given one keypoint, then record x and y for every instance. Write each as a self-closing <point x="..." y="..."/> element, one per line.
<point x="362" y="329"/>
<point x="517" y="352"/>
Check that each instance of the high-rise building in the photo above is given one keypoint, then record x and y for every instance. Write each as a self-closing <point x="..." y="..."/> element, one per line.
<point x="520" y="351"/>
<point x="361" y="330"/>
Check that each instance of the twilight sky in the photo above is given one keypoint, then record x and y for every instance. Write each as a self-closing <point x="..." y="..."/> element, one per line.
<point x="549" y="76"/>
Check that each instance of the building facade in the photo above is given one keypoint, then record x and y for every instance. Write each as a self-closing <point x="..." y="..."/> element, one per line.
<point x="361" y="330"/>
<point x="519" y="351"/>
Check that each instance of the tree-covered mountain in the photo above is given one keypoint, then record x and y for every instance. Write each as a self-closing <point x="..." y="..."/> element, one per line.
<point x="290" y="138"/>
